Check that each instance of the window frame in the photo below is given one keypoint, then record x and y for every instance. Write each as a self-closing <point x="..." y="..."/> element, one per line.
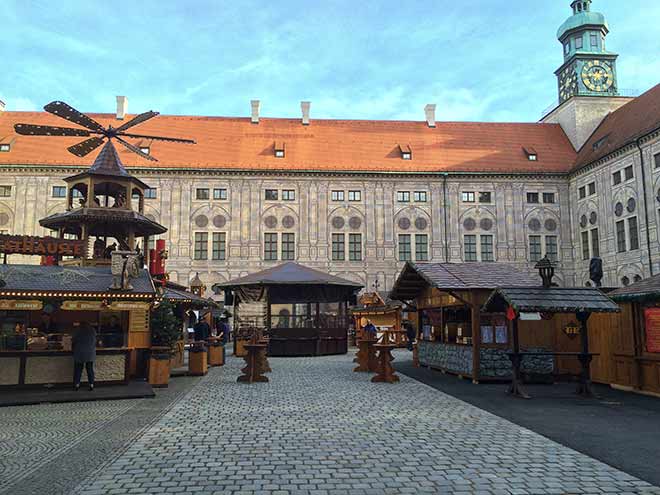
<point x="354" y="195"/>
<point x="468" y="197"/>
<point x="532" y="195"/>
<point x="337" y="195"/>
<point x="633" y="239"/>
<point x="59" y="188"/>
<point x="485" y="194"/>
<point x="270" y="246"/>
<point x="472" y="255"/>
<point x="219" y="246"/>
<point x="549" y="198"/>
<point x="582" y="192"/>
<point x="403" y="196"/>
<point x="534" y="254"/>
<point x="404" y="249"/>
<point x="487" y="249"/>
<point x="273" y="193"/>
<point x="421" y="247"/>
<point x="201" y="246"/>
<point x="553" y="255"/>
<point x="594" y="236"/>
<point x="656" y="160"/>
<point x="288" y="246"/>
<point x="591" y="188"/>
<point x="616" y="178"/>
<point x="288" y="194"/>
<point x="5" y="191"/>
<point x="420" y="196"/>
<point x="199" y="194"/>
<point x="628" y="173"/>
<point x="620" y="232"/>
<point x="338" y="247"/>
<point x="218" y="194"/>
<point x="579" y="42"/>
<point x="593" y="37"/>
<point x="5" y="147"/>
<point x="354" y="239"/>
<point x="151" y="193"/>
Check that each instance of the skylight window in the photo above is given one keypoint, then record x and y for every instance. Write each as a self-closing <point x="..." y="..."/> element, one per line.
<point x="531" y="153"/>
<point x="5" y="147"/>
<point x="406" y="152"/>
<point x="601" y="142"/>
<point x="279" y="149"/>
<point x="144" y="149"/>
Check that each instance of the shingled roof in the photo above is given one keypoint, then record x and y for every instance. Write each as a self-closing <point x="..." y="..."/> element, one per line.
<point x="550" y="300"/>
<point x="229" y="143"/>
<point x="289" y="274"/>
<point x="622" y="127"/>
<point x="646" y="289"/>
<point x="414" y="277"/>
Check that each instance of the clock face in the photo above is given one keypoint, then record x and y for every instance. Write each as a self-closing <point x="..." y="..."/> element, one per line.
<point x="597" y="76"/>
<point x="567" y="84"/>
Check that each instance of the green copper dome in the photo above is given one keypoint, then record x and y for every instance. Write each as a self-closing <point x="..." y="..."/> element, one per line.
<point x="582" y="19"/>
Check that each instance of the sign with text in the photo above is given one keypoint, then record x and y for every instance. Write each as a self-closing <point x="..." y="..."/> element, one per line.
<point x="17" y="305"/>
<point x="83" y="305"/>
<point x="40" y="246"/>
<point x="652" y="327"/>
<point x="572" y="330"/>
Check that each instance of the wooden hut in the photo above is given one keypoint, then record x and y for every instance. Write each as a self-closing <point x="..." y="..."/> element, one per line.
<point x="384" y="312"/>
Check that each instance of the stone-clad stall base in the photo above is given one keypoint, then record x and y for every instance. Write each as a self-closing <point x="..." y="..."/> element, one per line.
<point x="494" y="362"/>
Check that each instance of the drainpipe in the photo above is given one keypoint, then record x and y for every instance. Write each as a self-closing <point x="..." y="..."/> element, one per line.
<point x="444" y="209"/>
<point x="646" y="209"/>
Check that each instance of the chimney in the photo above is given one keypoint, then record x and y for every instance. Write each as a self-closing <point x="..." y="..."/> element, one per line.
<point x="429" y="110"/>
<point x="122" y="107"/>
<point x="304" y="106"/>
<point x="255" y="111"/>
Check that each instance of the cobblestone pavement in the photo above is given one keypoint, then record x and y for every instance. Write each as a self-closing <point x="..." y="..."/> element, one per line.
<point x="319" y="428"/>
<point x="48" y="449"/>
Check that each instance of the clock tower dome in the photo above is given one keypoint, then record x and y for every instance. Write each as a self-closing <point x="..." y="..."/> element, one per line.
<point x="588" y="69"/>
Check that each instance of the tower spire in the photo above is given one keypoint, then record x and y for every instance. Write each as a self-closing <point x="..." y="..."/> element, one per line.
<point x="580" y="6"/>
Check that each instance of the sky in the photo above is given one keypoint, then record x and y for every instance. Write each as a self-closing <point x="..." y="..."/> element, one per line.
<point x="478" y="60"/>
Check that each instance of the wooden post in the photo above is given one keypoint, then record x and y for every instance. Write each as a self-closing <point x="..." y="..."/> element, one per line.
<point x="584" y="386"/>
<point x="475" y="316"/>
<point x="516" y="388"/>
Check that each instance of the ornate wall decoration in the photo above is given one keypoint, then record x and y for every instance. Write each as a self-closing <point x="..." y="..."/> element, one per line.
<point x="201" y="221"/>
<point x="534" y="225"/>
<point x="618" y="209"/>
<point x="288" y="222"/>
<point x="404" y="223"/>
<point x="355" y="222"/>
<point x="631" y="205"/>
<point x="4" y="219"/>
<point x="486" y="224"/>
<point x="219" y="221"/>
<point x="593" y="218"/>
<point x="421" y="223"/>
<point x="338" y="222"/>
<point x="550" y="225"/>
<point x="270" y="221"/>
<point x="583" y="221"/>
<point x="469" y="224"/>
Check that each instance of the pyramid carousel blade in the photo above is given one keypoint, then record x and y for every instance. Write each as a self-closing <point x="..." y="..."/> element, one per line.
<point x="135" y="149"/>
<point x="138" y="119"/>
<point x="159" y="138"/>
<point x="85" y="147"/>
<point x="69" y="113"/>
<point x="48" y="130"/>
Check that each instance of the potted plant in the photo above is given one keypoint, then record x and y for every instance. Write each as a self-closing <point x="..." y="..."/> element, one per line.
<point x="165" y="332"/>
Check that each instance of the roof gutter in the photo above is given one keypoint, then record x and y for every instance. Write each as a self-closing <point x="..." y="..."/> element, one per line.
<point x="646" y="205"/>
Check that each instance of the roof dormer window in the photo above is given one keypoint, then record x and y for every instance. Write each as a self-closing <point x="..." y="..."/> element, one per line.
<point x="5" y="147"/>
<point x="279" y="149"/>
<point x="531" y="153"/>
<point x="406" y="152"/>
<point x="600" y="143"/>
<point x="144" y="149"/>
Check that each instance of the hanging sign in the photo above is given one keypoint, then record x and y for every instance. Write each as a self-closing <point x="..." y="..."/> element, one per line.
<point x="18" y="305"/>
<point x="572" y="330"/>
<point x="40" y="246"/>
<point x="128" y="305"/>
<point x="84" y="305"/>
<point x="652" y="329"/>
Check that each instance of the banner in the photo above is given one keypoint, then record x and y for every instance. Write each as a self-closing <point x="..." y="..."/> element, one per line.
<point x="40" y="246"/>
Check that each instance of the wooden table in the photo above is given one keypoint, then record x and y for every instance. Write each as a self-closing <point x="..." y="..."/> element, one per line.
<point x="385" y="372"/>
<point x="366" y="356"/>
<point x="254" y="371"/>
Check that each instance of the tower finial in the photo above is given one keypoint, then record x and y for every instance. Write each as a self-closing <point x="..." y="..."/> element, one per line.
<point x="580" y="6"/>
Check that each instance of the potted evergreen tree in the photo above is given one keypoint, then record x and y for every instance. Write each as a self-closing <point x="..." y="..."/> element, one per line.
<point x="165" y="332"/>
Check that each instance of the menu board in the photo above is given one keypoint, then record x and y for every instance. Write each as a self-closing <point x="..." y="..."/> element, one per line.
<point x="652" y="327"/>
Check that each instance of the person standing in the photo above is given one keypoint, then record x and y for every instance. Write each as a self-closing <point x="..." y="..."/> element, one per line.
<point x="202" y="330"/>
<point x="371" y="331"/>
<point x="410" y="333"/>
<point x="83" y="345"/>
<point x="224" y="330"/>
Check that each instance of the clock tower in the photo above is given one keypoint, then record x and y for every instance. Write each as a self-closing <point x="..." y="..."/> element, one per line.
<point x="588" y="69"/>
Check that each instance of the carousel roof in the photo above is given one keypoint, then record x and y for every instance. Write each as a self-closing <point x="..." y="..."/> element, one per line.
<point x="289" y="274"/>
<point x="103" y="218"/>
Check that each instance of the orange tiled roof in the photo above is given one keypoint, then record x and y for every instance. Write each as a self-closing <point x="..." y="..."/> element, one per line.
<point x="633" y="120"/>
<point x="325" y="145"/>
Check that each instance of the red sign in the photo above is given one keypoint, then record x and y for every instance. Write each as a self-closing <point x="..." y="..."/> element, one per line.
<point x="41" y="246"/>
<point x="652" y="324"/>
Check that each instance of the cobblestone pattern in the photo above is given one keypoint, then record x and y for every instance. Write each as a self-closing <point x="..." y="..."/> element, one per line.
<point x="318" y="428"/>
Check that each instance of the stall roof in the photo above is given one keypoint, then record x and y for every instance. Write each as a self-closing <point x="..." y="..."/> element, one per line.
<point x="550" y="300"/>
<point x="415" y="277"/>
<point x="649" y="288"/>
<point x="95" y="281"/>
<point x="289" y="274"/>
<point x="181" y="296"/>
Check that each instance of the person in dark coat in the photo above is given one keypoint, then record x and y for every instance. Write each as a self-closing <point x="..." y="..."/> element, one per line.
<point x="223" y="330"/>
<point x="370" y="330"/>
<point x="202" y="330"/>
<point x="410" y="333"/>
<point x="83" y="345"/>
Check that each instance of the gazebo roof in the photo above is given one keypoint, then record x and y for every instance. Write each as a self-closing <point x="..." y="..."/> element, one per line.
<point x="415" y="277"/>
<point x="289" y="274"/>
<point x="105" y="219"/>
<point x="648" y="288"/>
<point x="550" y="300"/>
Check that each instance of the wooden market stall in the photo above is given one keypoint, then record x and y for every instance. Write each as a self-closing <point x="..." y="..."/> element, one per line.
<point x="39" y="307"/>
<point x="383" y="312"/>
<point x="304" y="311"/>
<point x="456" y="335"/>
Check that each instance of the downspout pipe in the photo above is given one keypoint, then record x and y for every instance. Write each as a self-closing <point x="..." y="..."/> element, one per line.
<point x="444" y="209"/>
<point x="646" y="205"/>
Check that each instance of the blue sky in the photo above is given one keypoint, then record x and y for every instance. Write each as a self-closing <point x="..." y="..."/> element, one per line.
<point x="490" y="60"/>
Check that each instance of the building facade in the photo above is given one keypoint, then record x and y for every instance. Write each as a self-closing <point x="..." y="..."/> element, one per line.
<point x="359" y="198"/>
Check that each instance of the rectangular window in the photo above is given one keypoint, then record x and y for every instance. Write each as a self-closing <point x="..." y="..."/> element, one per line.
<point x="5" y="147"/>
<point x="628" y="172"/>
<point x="633" y="233"/>
<point x="470" y="247"/>
<point x="201" y="246"/>
<point x="592" y="188"/>
<point x="582" y="192"/>
<point x="621" y="236"/>
<point x="532" y="197"/>
<point x="467" y="197"/>
<point x="487" y="248"/>
<point x="219" y="246"/>
<point x="355" y="195"/>
<point x="656" y="159"/>
<point x="567" y="48"/>
<point x="355" y="247"/>
<point x="338" y="247"/>
<point x="551" y="247"/>
<point x="534" y="247"/>
<point x="419" y="196"/>
<point x="270" y="195"/>
<point x="270" y="247"/>
<point x="220" y="194"/>
<point x="484" y="197"/>
<point x="594" y="40"/>
<point x="59" y="191"/>
<point x="595" y="243"/>
<point x="578" y="43"/>
<point x="421" y="247"/>
<point x="150" y="193"/>
<point x="616" y="177"/>
<point x="202" y="194"/>
<point x="405" y="251"/>
<point x="549" y="198"/>
<point x="585" y="245"/>
<point x="403" y="196"/>
<point x="288" y="246"/>
<point x="5" y="191"/>
<point x="288" y="195"/>
<point x="337" y="195"/>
